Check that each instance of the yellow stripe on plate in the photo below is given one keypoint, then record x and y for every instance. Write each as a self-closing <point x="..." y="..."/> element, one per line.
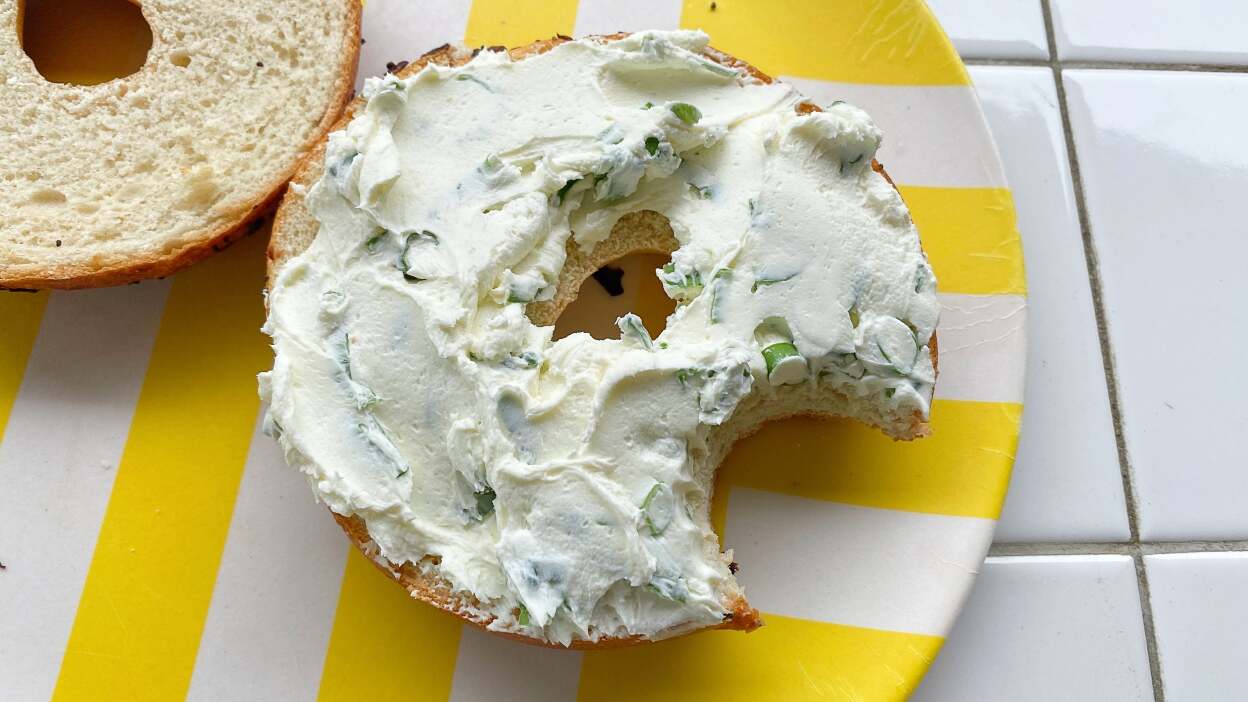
<point x="385" y="645"/>
<point x="788" y="659"/>
<point x="146" y="596"/>
<point x="971" y="238"/>
<point x="961" y="470"/>
<point x="20" y="314"/>
<point x="516" y="22"/>
<point x="884" y="42"/>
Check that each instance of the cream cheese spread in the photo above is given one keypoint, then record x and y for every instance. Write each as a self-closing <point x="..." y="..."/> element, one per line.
<point x="557" y="482"/>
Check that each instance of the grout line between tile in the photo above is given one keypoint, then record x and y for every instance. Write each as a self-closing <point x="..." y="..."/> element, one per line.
<point x="1134" y="547"/>
<point x="1115" y="548"/>
<point x="1110" y="65"/>
<point x="1150" y="628"/>
<point x="1094" y="279"/>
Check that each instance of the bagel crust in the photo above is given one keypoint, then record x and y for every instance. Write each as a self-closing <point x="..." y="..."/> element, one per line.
<point x="141" y="176"/>
<point x="295" y="229"/>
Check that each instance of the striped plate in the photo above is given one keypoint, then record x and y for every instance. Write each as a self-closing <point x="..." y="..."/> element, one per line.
<point x="156" y="547"/>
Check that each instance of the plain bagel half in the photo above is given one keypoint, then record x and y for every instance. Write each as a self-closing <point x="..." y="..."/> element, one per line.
<point x="294" y="230"/>
<point x="141" y="176"/>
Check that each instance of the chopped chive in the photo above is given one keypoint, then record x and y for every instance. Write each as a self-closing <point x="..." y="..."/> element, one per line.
<point x="485" y="501"/>
<point x="366" y="399"/>
<point x="345" y="358"/>
<point x="673" y="279"/>
<point x="762" y="281"/>
<point x="523" y="361"/>
<point x="657" y="515"/>
<point x="850" y="163"/>
<point x="373" y="241"/>
<point x="336" y="168"/>
<point x="717" y="284"/>
<point x="853" y="316"/>
<point x="563" y="192"/>
<point x="776" y="353"/>
<point x="717" y="69"/>
<point x="413" y="237"/>
<point x="891" y="361"/>
<point x="897" y="344"/>
<point x="686" y="113"/>
<point x="889" y="392"/>
<point x="923" y="277"/>
<point x="523" y="617"/>
<point x="474" y="79"/>
<point x="652" y="145"/>
<point x="669" y="587"/>
<point x="667" y="595"/>
<point x="402" y="473"/>
<point x="648" y="105"/>
<point x="630" y="326"/>
<point x="703" y="191"/>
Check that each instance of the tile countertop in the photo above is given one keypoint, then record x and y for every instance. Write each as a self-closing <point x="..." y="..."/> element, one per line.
<point x="1122" y="553"/>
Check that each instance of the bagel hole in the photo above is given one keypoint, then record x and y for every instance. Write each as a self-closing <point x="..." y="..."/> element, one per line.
<point x="84" y="42"/>
<point x="624" y="285"/>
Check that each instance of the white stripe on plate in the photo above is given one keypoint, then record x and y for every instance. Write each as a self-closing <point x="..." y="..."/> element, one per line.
<point x="610" y="16"/>
<point x="933" y="135"/>
<point x="490" y="667"/>
<point x="57" y="465"/>
<point x="277" y="588"/>
<point x="860" y="566"/>
<point x="982" y="341"/>
<point x="427" y="25"/>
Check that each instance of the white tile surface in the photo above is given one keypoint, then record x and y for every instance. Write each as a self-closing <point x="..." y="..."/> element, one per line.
<point x="1001" y="29"/>
<point x="1066" y="483"/>
<point x="1165" y="170"/>
<point x="1154" y="31"/>
<point x="1046" y="628"/>
<point x="1200" y="616"/>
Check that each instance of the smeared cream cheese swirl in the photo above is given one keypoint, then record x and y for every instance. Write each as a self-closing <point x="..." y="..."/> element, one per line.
<point x="554" y="480"/>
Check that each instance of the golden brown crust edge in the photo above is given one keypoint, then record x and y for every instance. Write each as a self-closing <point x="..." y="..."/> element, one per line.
<point x="243" y="222"/>
<point x="293" y="231"/>
<point x="437" y="592"/>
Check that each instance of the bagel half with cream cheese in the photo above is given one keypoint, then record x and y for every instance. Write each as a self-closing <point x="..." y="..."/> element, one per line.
<point x="140" y="176"/>
<point x="559" y="492"/>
